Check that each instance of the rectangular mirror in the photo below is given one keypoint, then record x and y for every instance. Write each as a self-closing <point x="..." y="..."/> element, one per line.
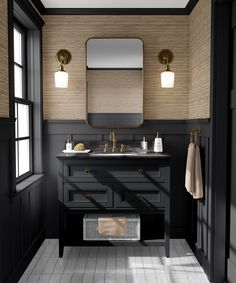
<point x="114" y="82"/>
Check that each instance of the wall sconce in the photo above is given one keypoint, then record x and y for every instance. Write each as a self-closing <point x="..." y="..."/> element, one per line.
<point x="64" y="57"/>
<point x="167" y="77"/>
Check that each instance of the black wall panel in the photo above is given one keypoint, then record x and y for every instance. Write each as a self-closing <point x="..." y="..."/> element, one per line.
<point x="175" y="136"/>
<point x="21" y="214"/>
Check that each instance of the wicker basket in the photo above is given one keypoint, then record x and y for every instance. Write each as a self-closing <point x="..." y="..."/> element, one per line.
<point x="130" y="227"/>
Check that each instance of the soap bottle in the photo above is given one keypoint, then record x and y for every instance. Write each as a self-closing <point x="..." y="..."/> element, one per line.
<point x="144" y="144"/>
<point x="69" y="145"/>
<point x="158" y="147"/>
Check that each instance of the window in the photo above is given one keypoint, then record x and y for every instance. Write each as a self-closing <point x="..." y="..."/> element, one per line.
<point x="23" y="107"/>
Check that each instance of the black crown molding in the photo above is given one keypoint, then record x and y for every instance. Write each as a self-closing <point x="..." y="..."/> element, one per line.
<point x="114" y="11"/>
<point x="39" y="6"/>
<point x="29" y="10"/>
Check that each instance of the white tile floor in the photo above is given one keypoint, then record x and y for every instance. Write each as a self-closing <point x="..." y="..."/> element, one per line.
<point x="114" y="264"/>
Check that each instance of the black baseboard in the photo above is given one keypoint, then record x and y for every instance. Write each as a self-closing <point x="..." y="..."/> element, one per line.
<point x="203" y="261"/>
<point x="177" y="232"/>
<point x="26" y="259"/>
<point x="231" y="267"/>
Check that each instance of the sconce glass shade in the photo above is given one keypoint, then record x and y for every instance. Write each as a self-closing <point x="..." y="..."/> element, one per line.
<point x="61" y="79"/>
<point x="167" y="79"/>
<point x="63" y="57"/>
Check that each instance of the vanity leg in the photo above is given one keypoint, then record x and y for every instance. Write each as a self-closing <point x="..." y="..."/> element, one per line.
<point x="167" y="247"/>
<point x="167" y="233"/>
<point x="61" y="249"/>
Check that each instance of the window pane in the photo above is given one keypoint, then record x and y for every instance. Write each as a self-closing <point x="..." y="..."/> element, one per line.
<point x="18" y="82"/>
<point x="23" y="120"/>
<point x="16" y="123"/>
<point x="24" y="162"/>
<point x="17" y="171"/>
<point x="17" y="47"/>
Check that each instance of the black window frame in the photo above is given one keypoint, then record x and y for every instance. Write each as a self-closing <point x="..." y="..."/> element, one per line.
<point x="24" y="101"/>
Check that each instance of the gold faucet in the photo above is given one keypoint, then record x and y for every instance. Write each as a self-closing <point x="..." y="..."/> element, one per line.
<point x="113" y="140"/>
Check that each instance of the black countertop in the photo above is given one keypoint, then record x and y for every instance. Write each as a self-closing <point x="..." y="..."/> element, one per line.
<point x="100" y="155"/>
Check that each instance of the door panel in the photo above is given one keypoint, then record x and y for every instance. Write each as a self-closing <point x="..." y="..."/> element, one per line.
<point x="231" y="262"/>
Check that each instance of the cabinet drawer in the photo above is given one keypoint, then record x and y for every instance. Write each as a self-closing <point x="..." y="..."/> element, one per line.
<point x="140" y="173"/>
<point x="75" y="171"/>
<point x="139" y="195"/>
<point x="88" y="195"/>
<point x="129" y="173"/>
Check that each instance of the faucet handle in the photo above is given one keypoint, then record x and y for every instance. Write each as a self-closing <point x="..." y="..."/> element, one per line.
<point x="112" y="135"/>
<point x="106" y="147"/>
<point x="122" y="148"/>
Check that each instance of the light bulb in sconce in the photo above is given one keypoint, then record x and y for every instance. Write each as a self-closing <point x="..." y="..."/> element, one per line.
<point x="167" y="76"/>
<point x="61" y="77"/>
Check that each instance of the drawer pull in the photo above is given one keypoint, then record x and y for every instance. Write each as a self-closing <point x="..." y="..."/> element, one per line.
<point x="87" y="171"/>
<point x="87" y="196"/>
<point x="140" y="196"/>
<point x="140" y="170"/>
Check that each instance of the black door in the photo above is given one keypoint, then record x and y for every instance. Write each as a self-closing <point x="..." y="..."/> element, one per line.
<point x="231" y="261"/>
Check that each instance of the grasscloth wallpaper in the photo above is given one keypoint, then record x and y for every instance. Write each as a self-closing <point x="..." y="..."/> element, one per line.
<point x="4" y="97"/>
<point x="188" y="37"/>
<point x="199" y="56"/>
<point x="157" y="32"/>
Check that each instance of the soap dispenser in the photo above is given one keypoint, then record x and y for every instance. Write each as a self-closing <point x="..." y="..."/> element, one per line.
<point x="158" y="147"/>
<point x="69" y="145"/>
<point x="144" y="144"/>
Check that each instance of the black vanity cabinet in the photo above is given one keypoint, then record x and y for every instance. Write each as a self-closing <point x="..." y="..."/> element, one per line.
<point x="114" y="185"/>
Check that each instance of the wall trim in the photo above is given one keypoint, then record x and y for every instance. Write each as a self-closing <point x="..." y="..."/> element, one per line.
<point x="202" y="259"/>
<point x="114" y="11"/>
<point x="7" y="128"/>
<point x="219" y="162"/>
<point x="39" y="6"/>
<point x="29" y="10"/>
<point x="164" y="127"/>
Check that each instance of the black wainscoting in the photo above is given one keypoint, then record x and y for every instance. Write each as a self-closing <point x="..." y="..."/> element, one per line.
<point x="175" y="138"/>
<point x="202" y="225"/>
<point x="21" y="214"/>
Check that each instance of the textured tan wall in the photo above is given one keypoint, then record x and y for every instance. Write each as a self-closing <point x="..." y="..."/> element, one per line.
<point x="157" y="32"/>
<point x="4" y="97"/>
<point x="119" y="90"/>
<point x="199" y="54"/>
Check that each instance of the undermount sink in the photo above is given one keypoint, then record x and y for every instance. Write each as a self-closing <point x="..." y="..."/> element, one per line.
<point x="115" y="153"/>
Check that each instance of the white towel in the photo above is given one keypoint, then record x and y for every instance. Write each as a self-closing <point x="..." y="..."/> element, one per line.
<point x="112" y="226"/>
<point x="193" y="174"/>
<point x="198" y="185"/>
<point x="189" y="174"/>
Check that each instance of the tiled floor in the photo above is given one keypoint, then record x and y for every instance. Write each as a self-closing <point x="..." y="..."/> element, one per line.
<point x="114" y="264"/>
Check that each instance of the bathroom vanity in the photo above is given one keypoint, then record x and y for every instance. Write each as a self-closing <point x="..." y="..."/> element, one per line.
<point x="117" y="184"/>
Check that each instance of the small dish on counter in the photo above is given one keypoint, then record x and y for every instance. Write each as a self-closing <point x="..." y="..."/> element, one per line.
<point x="76" y="151"/>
